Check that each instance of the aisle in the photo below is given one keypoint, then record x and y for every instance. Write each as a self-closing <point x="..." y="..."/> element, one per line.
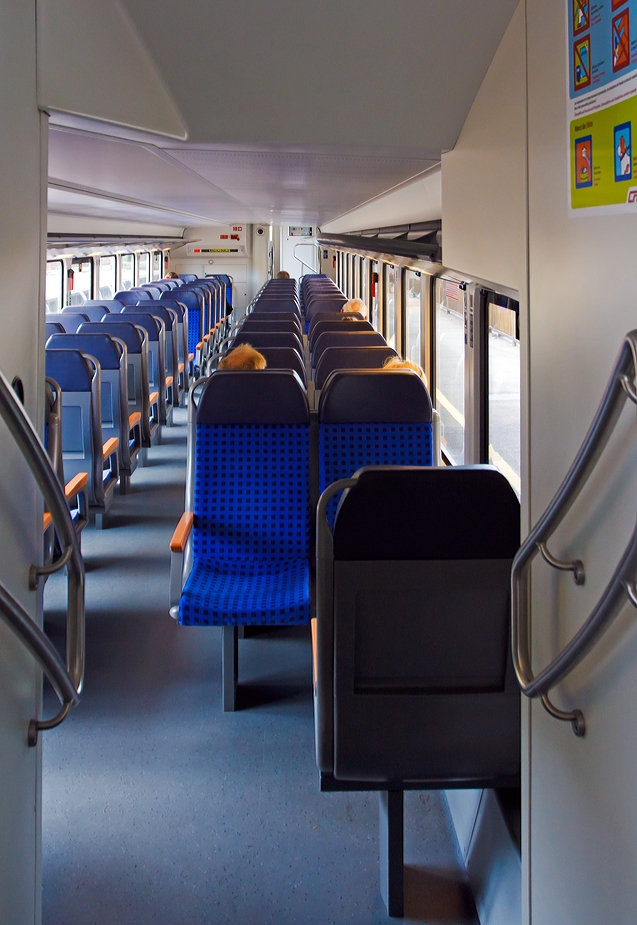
<point x="159" y="809"/>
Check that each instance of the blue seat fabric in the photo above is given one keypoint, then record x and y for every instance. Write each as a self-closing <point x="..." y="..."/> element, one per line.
<point x="373" y="418"/>
<point x="250" y="535"/>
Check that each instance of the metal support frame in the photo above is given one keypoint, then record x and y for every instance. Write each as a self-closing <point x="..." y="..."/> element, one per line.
<point x="30" y="445"/>
<point x="229" y="667"/>
<point x="391" y="837"/>
<point x="621" y="587"/>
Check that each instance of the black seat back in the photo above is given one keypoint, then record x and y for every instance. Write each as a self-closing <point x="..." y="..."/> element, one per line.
<point x="415" y="682"/>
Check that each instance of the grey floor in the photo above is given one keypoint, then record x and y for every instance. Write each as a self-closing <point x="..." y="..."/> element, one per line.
<point x="159" y="808"/>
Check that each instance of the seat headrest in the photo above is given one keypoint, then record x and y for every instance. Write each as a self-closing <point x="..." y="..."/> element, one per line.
<point x="346" y="339"/>
<point x="276" y="316"/>
<point x="375" y="396"/>
<point x="101" y="346"/>
<point x="284" y="358"/>
<point x="259" y="339"/>
<point x="350" y="358"/>
<point x="155" y="308"/>
<point x="72" y="371"/>
<point x="187" y="297"/>
<point x="254" y="322"/>
<point x="70" y="321"/>
<point x="340" y="324"/>
<point x="276" y="305"/>
<point x="113" y="305"/>
<point x="418" y="512"/>
<point x="261" y="396"/>
<point x="53" y="327"/>
<point x="143" y="319"/>
<point x="95" y="312"/>
<point x="124" y="330"/>
<point x="131" y="296"/>
<point x="172" y="301"/>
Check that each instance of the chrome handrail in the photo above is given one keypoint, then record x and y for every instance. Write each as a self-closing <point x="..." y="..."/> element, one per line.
<point x="44" y="652"/>
<point x="621" y="587"/>
<point x="36" y="457"/>
<point x="312" y="270"/>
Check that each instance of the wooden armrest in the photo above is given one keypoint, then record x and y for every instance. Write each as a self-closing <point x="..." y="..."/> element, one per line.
<point x="200" y="345"/>
<point x="314" y="648"/>
<point x="180" y="368"/>
<point x="191" y="357"/>
<point x="48" y="520"/>
<point x="182" y="532"/>
<point x="153" y="398"/>
<point x="206" y="338"/>
<point x="169" y="381"/>
<point x="77" y="483"/>
<point x="134" y="419"/>
<point x="110" y="447"/>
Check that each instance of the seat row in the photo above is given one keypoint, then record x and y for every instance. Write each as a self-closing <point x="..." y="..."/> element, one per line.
<point x="258" y="460"/>
<point x="115" y="372"/>
<point x="412" y="676"/>
<point x="279" y="336"/>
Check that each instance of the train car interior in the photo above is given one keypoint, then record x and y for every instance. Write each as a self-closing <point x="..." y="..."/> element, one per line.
<point x="318" y="471"/>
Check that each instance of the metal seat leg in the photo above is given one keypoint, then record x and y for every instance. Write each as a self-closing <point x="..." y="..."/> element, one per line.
<point x="229" y="667"/>
<point x="391" y="819"/>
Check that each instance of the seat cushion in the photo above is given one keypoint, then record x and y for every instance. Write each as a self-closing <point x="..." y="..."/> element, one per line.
<point x="251" y="592"/>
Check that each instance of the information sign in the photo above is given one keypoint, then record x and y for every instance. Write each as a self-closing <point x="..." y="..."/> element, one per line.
<point x="602" y="104"/>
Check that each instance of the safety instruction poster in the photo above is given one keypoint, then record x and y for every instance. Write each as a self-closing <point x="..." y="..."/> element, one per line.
<point x="602" y="104"/>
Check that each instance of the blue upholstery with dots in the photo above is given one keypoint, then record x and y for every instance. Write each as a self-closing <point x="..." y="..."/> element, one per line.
<point x="226" y="594"/>
<point x="372" y="418"/>
<point x="251" y="533"/>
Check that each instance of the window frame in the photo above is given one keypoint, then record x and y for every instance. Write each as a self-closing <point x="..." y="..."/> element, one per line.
<point x="98" y="282"/>
<point x="61" y="293"/>
<point x="138" y="256"/>
<point x="120" y="287"/>
<point x="81" y="261"/>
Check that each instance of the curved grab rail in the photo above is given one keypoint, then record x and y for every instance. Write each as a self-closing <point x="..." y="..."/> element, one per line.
<point x="312" y="270"/>
<point x="35" y="455"/>
<point x="621" y="586"/>
<point x="44" y="652"/>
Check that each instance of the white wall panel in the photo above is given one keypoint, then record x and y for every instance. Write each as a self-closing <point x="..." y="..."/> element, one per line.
<point x="418" y="200"/>
<point x="92" y="62"/>
<point x="484" y="177"/>
<point x="22" y="211"/>
<point x="583" y="276"/>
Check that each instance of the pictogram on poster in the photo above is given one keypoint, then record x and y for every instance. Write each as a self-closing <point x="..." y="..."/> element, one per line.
<point x="581" y="13"/>
<point x="602" y="104"/>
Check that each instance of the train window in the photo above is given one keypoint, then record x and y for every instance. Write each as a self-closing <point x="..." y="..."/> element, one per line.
<point x="106" y="277"/>
<point x="390" y="305"/>
<point x="143" y="268"/>
<point x="413" y="316"/>
<point x="365" y="280"/>
<point x="450" y="367"/>
<point x="503" y="358"/>
<point x="157" y="265"/>
<point x="54" y="275"/>
<point x="126" y="271"/>
<point x="374" y="305"/>
<point x="82" y="279"/>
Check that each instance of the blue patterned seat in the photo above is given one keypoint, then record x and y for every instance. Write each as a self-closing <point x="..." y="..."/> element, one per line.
<point x="372" y="418"/>
<point x="251" y="532"/>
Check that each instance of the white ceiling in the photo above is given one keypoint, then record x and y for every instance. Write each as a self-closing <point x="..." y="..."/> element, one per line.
<point x="294" y="111"/>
